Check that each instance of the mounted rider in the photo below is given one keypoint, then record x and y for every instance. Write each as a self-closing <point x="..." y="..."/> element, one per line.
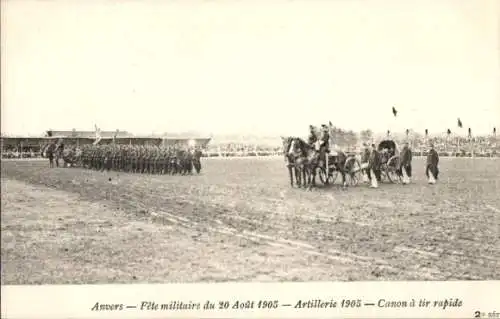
<point x="324" y="140"/>
<point x="313" y="138"/>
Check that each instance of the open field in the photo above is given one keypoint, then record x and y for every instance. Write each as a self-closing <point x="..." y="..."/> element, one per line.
<point x="240" y="221"/>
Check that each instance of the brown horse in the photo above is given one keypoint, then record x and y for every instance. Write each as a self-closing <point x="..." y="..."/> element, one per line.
<point x="294" y="162"/>
<point x="71" y="156"/>
<point x="306" y="160"/>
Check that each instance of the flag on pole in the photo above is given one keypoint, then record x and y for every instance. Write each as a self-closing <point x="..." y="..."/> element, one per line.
<point x="470" y="132"/>
<point x="426" y="132"/>
<point x="97" y="135"/>
<point x="448" y="132"/>
<point x="494" y="131"/>
<point x="388" y="133"/>
<point x="394" y="111"/>
<point x="114" y="136"/>
<point x="459" y="123"/>
<point x="407" y="132"/>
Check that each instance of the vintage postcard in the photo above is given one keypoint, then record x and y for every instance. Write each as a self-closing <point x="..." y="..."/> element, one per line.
<point x="250" y="159"/>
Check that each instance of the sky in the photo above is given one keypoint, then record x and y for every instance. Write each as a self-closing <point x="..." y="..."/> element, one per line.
<point x="249" y="67"/>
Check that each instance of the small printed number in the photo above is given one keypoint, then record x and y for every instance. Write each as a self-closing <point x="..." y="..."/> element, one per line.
<point x="268" y="304"/>
<point x="223" y="304"/>
<point x="351" y="303"/>
<point x="477" y="314"/>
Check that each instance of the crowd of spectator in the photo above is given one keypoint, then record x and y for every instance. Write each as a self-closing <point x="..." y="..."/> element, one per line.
<point x="445" y="146"/>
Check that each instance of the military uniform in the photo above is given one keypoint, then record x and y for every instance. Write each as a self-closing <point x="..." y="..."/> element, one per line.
<point x="405" y="161"/>
<point x="374" y="164"/>
<point x="325" y="139"/>
<point x="313" y="138"/>
<point x="134" y="158"/>
<point x="432" y="163"/>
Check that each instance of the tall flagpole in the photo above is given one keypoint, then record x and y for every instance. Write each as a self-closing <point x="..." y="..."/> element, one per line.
<point x="495" y="137"/>
<point x="460" y="126"/>
<point x="448" y="135"/>
<point x="471" y="143"/>
<point x="426" y="140"/>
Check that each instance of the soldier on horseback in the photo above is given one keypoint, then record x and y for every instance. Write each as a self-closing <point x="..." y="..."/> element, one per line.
<point x="312" y="136"/>
<point x="324" y="139"/>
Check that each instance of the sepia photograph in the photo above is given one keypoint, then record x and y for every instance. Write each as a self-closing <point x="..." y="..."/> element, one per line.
<point x="148" y="142"/>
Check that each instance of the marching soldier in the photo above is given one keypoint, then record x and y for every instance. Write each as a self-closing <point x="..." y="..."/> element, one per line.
<point x="50" y="153"/>
<point x="374" y="167"/>
<point x="140" y="160"/>
<point x="93" y="157"/>
<point x="405" y="163"/>
<point x="432" y="170"/>
<point x="135" y="159"/>
<point x="59" y="151"/>
<point x="365" y="157"/>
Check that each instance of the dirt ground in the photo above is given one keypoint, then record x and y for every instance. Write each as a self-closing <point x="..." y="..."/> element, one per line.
<point x="240" y="221"/>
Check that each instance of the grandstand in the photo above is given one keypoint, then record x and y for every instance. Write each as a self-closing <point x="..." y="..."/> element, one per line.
<point x="244" y="145"/>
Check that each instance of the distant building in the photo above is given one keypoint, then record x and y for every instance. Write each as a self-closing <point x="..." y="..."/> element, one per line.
<point x="88" y="134"/>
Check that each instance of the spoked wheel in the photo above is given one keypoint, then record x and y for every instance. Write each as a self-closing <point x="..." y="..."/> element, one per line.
<point x="332" y="177"/>
<point x="353" y="174"/>
<point x="391" y="170"/>
<point x="321" y="172"/>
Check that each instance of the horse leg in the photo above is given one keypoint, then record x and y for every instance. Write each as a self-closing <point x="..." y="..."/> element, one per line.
<point x="408" y="172"/>
<point x="290" y="173"/>
<point x="313" y="175"/>
<point x="295" y="171"/>
<point x="309" y="178"/>
<point x="303" y="172"/>
<point x="342" y="173"/>
<point x="298" y="176"/>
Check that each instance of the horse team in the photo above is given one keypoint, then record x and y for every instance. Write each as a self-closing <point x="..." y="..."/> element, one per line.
<point x="304" y="160"/>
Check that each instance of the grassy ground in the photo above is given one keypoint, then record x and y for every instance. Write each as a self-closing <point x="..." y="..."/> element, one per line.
<point x="240" y="221"/>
